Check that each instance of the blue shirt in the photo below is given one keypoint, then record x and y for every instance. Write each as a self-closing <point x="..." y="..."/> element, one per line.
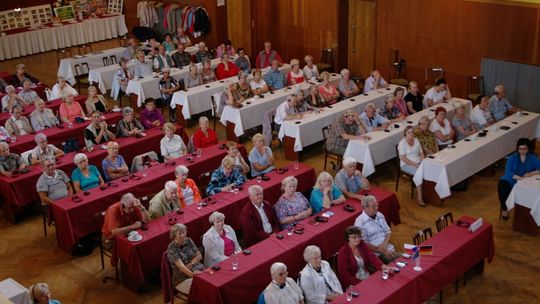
<point x="219" y="180"/>
<point x="89" y="182"/>
<point x="374" y="122"/>
<point x="514" y="166"/>
<point x="264" y="160"/>
<point x="498" y="107"/>
<point x="275" y="79"/>
<point x="351" y="184"/>
<point x="317" y="199"/>
<point x="106" y="163"/>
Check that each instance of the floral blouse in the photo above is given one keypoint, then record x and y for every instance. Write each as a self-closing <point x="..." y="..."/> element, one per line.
<point x="286" y="207"/>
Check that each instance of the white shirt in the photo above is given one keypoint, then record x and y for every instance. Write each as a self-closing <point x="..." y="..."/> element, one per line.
<point x="254" y="85"/>
<point x="267" y="227"/>
<point x="290" y="294"/>
<point x="282" y="111"/>
<point x="435" y="126"/>
<point x="172" y="146"/>
<point x="311" y="73"/>
<point x="374" y="231"/>
<point x="412" y="153"/>
<point x="58" y="92"/>
<point x="480" y="117"/>
<point x="369" y="85"/>
<point x="317" y="285"/>
<point x="434" y="96"/>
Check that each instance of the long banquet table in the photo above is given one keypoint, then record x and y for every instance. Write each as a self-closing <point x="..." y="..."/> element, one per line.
<point x="66" y="69"/>
<point x="525" y="198"/>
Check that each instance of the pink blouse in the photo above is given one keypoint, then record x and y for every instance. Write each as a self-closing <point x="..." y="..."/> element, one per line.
<point x="228" y="245"/>
<point x="326" y="92"/>
<point x="402" y="106"/>
<point x="70" y="112"/>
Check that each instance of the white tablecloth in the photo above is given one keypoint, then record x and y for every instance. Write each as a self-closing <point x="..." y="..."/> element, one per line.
<point x="451" y="166"/>
<point x="381" y="147"/>
<point x="94" y="60"/>
<point x="57" y="37"/>
<point x="309" y="130"/>
<point x="526" y="192"/>
<point x="14" y="291"/>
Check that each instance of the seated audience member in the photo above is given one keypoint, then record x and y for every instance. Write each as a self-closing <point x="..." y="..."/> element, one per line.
<point x="414" y="100"/>
<point x="462" y="123"/>
<point x="132" y="49"/>
<point x="193" y="79"/>
<point x="17" y="124"/>
<point x="39" y="294"/>
<point x="410" y="156"/>
<point x="372" y="120"/>
<point x="129" y="125"/>
<point x="499" y="106"/>
<point x="114" y="166"/>
<point x="95" y="101"/>
<point x="239" y="92"/>
<point x="234" y="153"/>
<point x="11" y="100"/>
<point x="521" y="164"/>
<point x="317" y="280"/>
<point x="242" y="62"/>
<point x="43" y="150"/>
<point x="171" y="145"/>
<point x="69" y="110"/>
<point x="124" y="216"/>
<point x="124" y="75"/>
<point x="295" y="75"/>
<point x="167" y="87"/>
<point x="42" y="118"/>
<point x="152" y="47"/>
<point x="292" y="206"/>
<point x="3" y="84"/>
<point x="181" y="58"/>
<point x="355" y="259"/>
<point x="150" y="116"/>
<point x="225" y="48"/>
<point x="258" y="219"/>
<point x="85" y="176"/>
<point x="440" y="92"/>
<point x="9" y="162"/>
<point x="344" y="128"/>
<point x="62" y="89"/>
<point x="347" y="87"/>
<point x="313" y="98"/>
<point x="390" y="111"/>
<point x="53" y="184"/>
<point x="184" y="257"/>
<point x="162" y="60"/>
<point x="327" y="90"/>
<point x="325" y="194"/>
<point x="181" y="37"/>
<point x="219" y="241"/>
<point x="225" y="178"/>
<point x="480" y="115"/>
<point x="141" y="68"/>
<point x="426" y="137"/>
<point x="350" y="180"/>
<point x="168" y="43"/>
<point x="27" y="94"/>
<point x="226" y="68"/>
<point x="286" y="110"/>
<point x="257" y="84"/>
<point x="4" y="134"/>
<point x="188" y="192"/>
<point x="282" y="289"/>
<point x="310" y="70"/>
<point x="267" y="56"/>
<point x="97" y="131"/>
<point x="260" y="157"/>
<point x="399" y="102"/>
<point x="207" y="72"/>
<point x="204" y="137"/>
<point x="442" y="129"/>
<point x="274" y="78"/>
<point x="21" y="74"/>
<point x="374" y="82"/>
<point x="165" y="201"/>
<point x="202" y="53"/>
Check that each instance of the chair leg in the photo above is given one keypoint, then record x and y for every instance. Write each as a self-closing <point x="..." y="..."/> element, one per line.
<point x="44" y="225"/>
<point x="440" y="297"/>
<point x="101" y="253"/>
<point x="456" y="284"/>
<point x="397" y="181"/>
<point x="412" y="188"/>
<point x="325" y="159"/>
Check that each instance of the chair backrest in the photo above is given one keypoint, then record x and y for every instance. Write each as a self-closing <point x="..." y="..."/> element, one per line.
<point x="433" y="73"/>
<point x="145" y="200"/>
<point x="25" y="157"/>
<point x="85" y="49"/>
<point x="113" y="59"/>
<point x="268" y="125"/>
<point x="422" y="236"/>
<point x="326" y="134"/>
<point x="82" y="69"/>
<point x="203" y="180"/>
<point x="123" y="41"/>
<point x="166" y="279"/>
<point x="63" y="53"/>
<point x="444" y="220"/>
<point x="99" y="219"/>
<point x="190" y="145"/>
<point x="260" y="299"/>
<point x="475" y="85"/>
<point x="138" y="161"/>
<point x="106" y="61"/>
<point x="328" y="56"/>
<point x="48" y="93"/>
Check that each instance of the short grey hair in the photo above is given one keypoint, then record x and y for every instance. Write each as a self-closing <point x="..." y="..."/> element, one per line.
<point x="310" y="252"/>
<point x="10" y="88"/>
<point x="4" y="144"/>
<point x="126" y="198"/>
<point x="344" y="71"/>
<point x="177" y="228"/>
<point x="181" y="170"/>
<point x="39" y="137"/>
<point x="126" y="111"/>
<point x="368" y="199"/>
<point x="253" y="188"/>
<point x="347" y="161"/>
<point x="171" y="186"/>
<point x="48" y="159"/>
<point x="276" y="268"/>
<point x="216" y="216"/>
<point x="289" y="180"/>
<point x="79" y="157"/>
<point x="370" y="105"/>
<point x="37" y="291"/>
<point x="388" y="99"/>
<point x="499" y="88"/>
<point x="203" y="119"/>
<point x="166" y="70"/>
<point x="424" y="118"/>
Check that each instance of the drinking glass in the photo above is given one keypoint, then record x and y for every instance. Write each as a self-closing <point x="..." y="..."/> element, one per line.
<point x="296" y="165"/>
<point x="234" y="264"/>
<point x="350" y="291"/>
<point x="199" y="152"/>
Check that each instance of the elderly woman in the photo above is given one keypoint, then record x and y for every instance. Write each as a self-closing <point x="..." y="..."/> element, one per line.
<point x="313" y="97"/>
<point x="317" y="280"/>
<point x="11" y="100"/>
<point x="234" y="99"/>
<point x="399" y="102"/>
<point x="234" y="153"/>
<point x="95" y="101"/>
<point x="350" y="180"/>
<point x="242" y="88"/>
<point x="355" y="259"/>
<point x="180" y="36"/>
<point x="53" y="184"/>
<point x="225" y="48"/>
<point x="17" y="124"/>
<point x="188" y="192"/>
<point x="204" y="137"/>
<point x="346" y="87"/>
<point x="226" y="68"/>
<point x="219" y="241"/>
<point x="27" y="94"/>
<point x="410" y="157"/>
<point x="21" y="75"/>
<point x="114" y="166"/>
<point x="292" y="206"/>
<point x="442" y="129"/>
<point x="462" y="123"/>
<point x="9" y="162"/>
<point x="426" y="138"/>
<point x="295" y="75"/>
<point x="521" y="164"/>
<point x="325" y="194"/>
<point x="390" y="111"/>
<point x="225" y="178"/>
<point x="414" y="100"/>
<point x="169" y="43"/>
<point x="97" y="132"/>
<point x="184" y="257"/>
<point x="260" y="157"/>
<point x="69" y="110"/>
<point x="62" y="89"/>
<point x="39" y="294"/>
<point x="128" y="125"/>
<point x="43" y="150"/>
<point x="207" y="72"/>
<point x="327" y="90"/>
<point x="85" y="176"/>
<point x="193" y="79"/>
<point x="171" y="145"/>
<point x="123" y="75"/>
<point x="257" y="84"/>
<point x="480" y="115"/>
<point x="310" y="70"/>
<point x="42" y="118"/>
<point x="282" y="289"/>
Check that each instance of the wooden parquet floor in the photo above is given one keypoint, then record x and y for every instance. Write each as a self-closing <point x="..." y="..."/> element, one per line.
<point x="513" y="277"/>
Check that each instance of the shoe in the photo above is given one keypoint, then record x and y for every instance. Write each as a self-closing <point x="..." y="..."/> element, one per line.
<point x="505" y="216"/>
<point x="422" y="204"/>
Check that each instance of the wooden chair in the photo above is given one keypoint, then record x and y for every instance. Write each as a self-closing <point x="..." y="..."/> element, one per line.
<point x="103" y="250"/>
<point x="63" y="53"/>
<point x="123" y="41"/>
<point x="328" y="57"/>
<point x="109" y="60"/>
<point x="169" y="289"/>
<point x="202" y="182"/>
<point x="400" y="82"/>
<point x="214" y="110"/>
<point x="328" y="153"/>
<point x="81" y="75"/>
<point x="422" y="236"/>
<point x="48" y="220"/>
<point x="444" y="220"/>
<point x="401" y="173"/>
<point x="475" y="87"/>
<point x="85" y="49"/>
<point x="431" y="74"/>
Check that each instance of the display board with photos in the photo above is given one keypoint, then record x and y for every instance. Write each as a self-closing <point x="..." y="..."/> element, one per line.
<point x="25" y="17"/>
<point x="115" y="7"/>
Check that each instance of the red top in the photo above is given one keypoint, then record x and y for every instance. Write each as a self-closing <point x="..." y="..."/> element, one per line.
<point x="221" y="73"/>
<point x="228" y="245"/>
<point x="298" y="78"/>
<point x="348" y="267"/>
<point x="200" y="141"/>
<point x="116" y="218"/>
<point x="264" y="59"/>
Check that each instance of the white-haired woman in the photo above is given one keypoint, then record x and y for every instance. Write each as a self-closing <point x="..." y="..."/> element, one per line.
<point x="128" y="125"/>
<point x="325" y="194"/>
<point x="282" y="289"/>
<point x="219" y="241"/>
<point x="310" y="70"/>
<point x="184" y="257"/>
<point x="257" y="84"/>
<point x="292" y="206"/>
<point x="295" y="75"/>
<point x="11" y="99"/>
<point x="350" y="180"/>
<point x="43" y="149"/>
<point x="207" y="72"/>
<point x="188" y="192"/>
<point x="62" y="89"/>
<point x="410" y="157"/>
<point x="85" y="176"/>
<point x="260" y="157"/>
<point x="95" y="101"/>
<point x="40" y="294"/>
<point x="317" y="280"/>
<point x="346" y="87"/>
<point x="205" y="136"/>
<point x="462" y="123"/>
<point x="390" y="111"/>
<point x="193" y="79"/>
<point x="171" y="145"/>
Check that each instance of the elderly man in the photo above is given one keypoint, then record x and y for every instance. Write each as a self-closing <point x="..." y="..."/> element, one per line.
<point x="344" y="129"/>
<point x="437" y="94"/>
<point x="375" y="230"/>
<point x="287" y="109"/>
<point x="42" y="118"/>
<point x="27" y="94"/>
<point x="53" y="184"/>
<point x="43" y="150"/>
<point x="226" y="68"/>
<point x="258" y="219"/>
<point x="9" y="162"/>
<point x="480" y="115"/>
<point x="374" y="82"/>
<point x="18" y="124"/>
<point x="267" y="56"/>
<point x="225" y="178"/>
<point x="350" y="180"/>
<point x="282" y="289"/>
<point x="167" y="87"/>
<point x="274" y="78"/>
<point x="11" y="100"/>
<point x="181" y="58"/>
<point x="372" y="120"/>
<point x="162" y="60"/>
<point x="141" y="68"/>
<point x="124" y="216"/>
<point x="347" y="88"/>
<point x="499" y="106"/>
<point x="242" y="62"/>
<point x="114" y="166"/>
<point x="97" y="133"/>
<point x="131" y="50"/>
<point x="165" y="201"/>
<point x="202" y="53"/>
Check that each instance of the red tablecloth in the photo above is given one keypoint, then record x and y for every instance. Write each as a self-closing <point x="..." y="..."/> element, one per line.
<point x="455" y="250"/>
<point x="53" y="105"/>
